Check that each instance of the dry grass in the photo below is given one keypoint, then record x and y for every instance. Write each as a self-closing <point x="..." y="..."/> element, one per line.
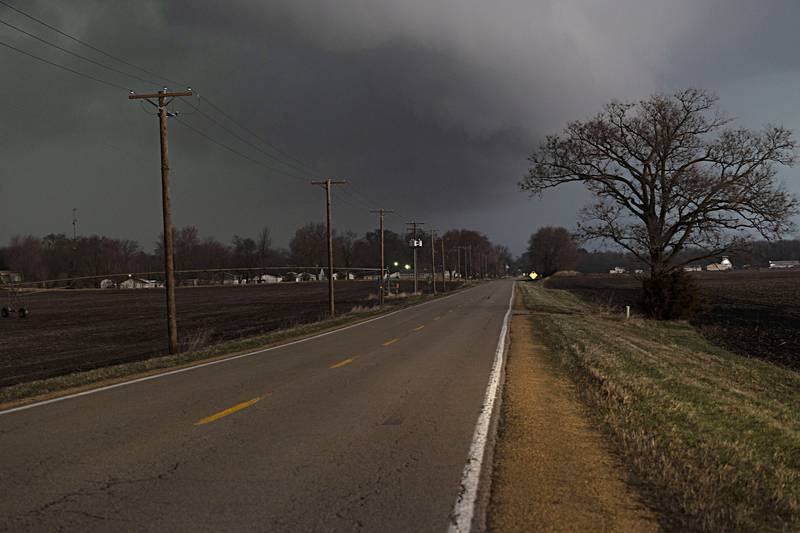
<point x="714" y="434"/>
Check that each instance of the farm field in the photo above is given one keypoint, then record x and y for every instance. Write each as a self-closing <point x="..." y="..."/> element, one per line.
<point x="751" y="312"/>
<point x="74" y="330"/>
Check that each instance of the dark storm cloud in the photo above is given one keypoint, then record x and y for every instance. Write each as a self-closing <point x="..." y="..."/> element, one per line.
<point x="429" y="108"/>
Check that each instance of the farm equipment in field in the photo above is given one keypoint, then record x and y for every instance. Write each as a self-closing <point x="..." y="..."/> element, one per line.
<point x="14" y="306"/>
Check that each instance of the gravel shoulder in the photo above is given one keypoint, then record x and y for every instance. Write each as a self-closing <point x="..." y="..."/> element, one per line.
<point x="553" y="469"/>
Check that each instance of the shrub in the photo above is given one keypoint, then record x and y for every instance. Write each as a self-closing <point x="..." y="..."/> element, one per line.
<point x="671" y="296"/>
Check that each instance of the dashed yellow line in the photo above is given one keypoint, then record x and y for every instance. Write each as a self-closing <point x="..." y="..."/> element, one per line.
<point x="342" y="363"/>
<point x="390" y="342"/>
<point x="227" y="412"/>
<point x="419" y="327"/>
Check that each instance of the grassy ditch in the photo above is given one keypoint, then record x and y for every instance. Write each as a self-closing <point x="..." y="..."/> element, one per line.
<point x="198" y="352"/>
<point x="714" y="435"/>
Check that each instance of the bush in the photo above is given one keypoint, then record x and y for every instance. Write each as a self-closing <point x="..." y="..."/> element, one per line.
<point x="672" y="296"/>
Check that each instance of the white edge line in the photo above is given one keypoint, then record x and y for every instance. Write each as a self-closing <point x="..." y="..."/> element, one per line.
<point x="464" y="508"/>
<point x="218" y="361"/>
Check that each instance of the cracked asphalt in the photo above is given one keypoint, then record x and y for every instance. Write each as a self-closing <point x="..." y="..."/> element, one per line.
<point x="302" y="443"/>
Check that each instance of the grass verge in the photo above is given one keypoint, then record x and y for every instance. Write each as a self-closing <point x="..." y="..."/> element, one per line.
<point x="39" y="390"/>
<point x="714" y="435"/>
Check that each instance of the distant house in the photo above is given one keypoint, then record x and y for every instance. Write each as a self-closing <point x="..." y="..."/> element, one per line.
<point x="107" y="284"/>
<point x="617" y="270"/>
<point x="784" y="264"/>
<point x="722" y="266"/>
<point x="693" y="268"/>
<point x="268" y="278"/>
<point x="7" y="276"/>
<point x="137" y="283"/>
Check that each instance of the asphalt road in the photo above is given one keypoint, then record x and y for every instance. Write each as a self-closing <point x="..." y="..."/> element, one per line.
<point x="367" y="428"/>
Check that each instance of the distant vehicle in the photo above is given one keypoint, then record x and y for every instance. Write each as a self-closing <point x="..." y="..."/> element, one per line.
<point x="14" y="305"/>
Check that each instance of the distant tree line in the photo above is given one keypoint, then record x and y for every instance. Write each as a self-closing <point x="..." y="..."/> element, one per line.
<point x="57" y="256"/>
<point x="551" y="249"/>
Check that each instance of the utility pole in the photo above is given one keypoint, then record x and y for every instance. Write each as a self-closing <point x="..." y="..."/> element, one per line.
<point x="444" y="270"/>
<point x="381" y="212"/>
<point x="169" y="259"/>
<point x="469" y="262"/>
<point x="74" y="225"/>
<point x="433" y="261"/>
<point x="414" y="225"/>
<point x="327" y="184"/>
<point x="458" y="262"/>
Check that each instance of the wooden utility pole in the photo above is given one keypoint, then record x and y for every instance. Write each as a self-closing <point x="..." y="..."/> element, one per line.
<point x="169" y="259"/>
<point x="381" y="212"/>
<point x="414" y="225"/>
<point x="458" y="262"/>
<point x="433" y="261"/>
<point x="327" y="184"/>
<point x="444" y="270"/>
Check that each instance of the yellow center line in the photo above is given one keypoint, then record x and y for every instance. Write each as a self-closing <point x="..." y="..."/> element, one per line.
<point x="342" y="363"/>
<point x="390" y="342"/>
<point x="418" y="328"/>
<point x="229" y="411"/>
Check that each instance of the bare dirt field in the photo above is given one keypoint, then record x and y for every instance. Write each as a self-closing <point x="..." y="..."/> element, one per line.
<point x="751" y="312"/>
<point x="73" y="330"/>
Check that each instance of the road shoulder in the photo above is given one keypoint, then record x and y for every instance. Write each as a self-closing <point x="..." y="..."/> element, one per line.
<point x="553" y="469"/>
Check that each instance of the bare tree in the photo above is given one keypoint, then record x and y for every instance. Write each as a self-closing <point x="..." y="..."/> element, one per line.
<point x="551" y="249"/>
<point x="264" y="247"/>
<point x="669" y="174"/>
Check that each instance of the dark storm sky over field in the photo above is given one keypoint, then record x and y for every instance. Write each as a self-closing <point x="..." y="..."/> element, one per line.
<point x="428" y="107"/>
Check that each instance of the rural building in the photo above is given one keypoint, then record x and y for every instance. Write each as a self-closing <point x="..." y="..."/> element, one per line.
<point x="268" y="278"/>
<point x="617" y="270"/>
<point x="137" y="283"/>
<point x="693" y="268"/>
<point x="722" y="266"/>
<point x="299" y="276"/>
<point x="7" y="276"/>
<point x="784" y="264"/>
<point x="107" y="284"/>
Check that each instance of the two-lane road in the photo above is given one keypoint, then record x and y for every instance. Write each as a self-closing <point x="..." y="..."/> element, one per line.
<point x="366" y="427"/>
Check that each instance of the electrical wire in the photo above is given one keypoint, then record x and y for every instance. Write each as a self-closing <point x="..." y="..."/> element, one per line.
<point x="309" y="168"/>
<point x="244" y="140"/>
<point x="62" y="67"/>
<point x="297" y="164"/>
<point x="70" y="52"/>
<point x="84" y="43"/>
<point x="240" y="154"/>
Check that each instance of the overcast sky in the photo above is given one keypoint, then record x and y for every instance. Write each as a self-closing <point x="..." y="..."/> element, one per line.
<point x="428" y="107"/>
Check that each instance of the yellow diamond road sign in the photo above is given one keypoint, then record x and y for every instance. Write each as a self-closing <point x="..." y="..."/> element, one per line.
<point x="533" y="275"/>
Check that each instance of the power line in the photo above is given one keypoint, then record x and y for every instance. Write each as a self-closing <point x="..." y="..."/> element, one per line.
<point x="298" y="164"/>
<point x="237" y="152"/>
<point x="62" y="67"/>
<point x="308" y="168"/>
<point x="247" y="142"/>
<point x="75" y="54"/>
<point x="84" y="43"/>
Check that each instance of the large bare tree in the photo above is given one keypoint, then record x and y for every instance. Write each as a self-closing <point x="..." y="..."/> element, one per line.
<point x="669" y="175"/>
